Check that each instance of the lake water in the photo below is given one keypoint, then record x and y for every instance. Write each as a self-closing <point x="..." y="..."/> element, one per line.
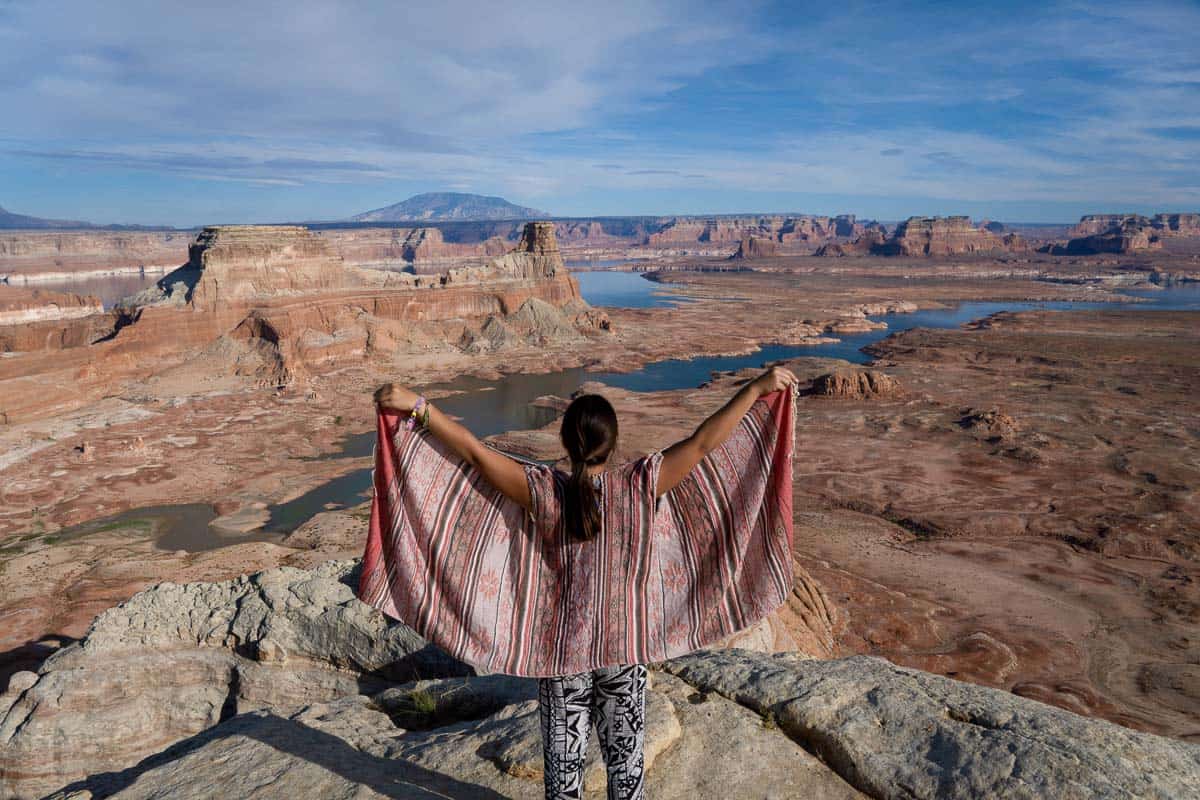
<point x="108" y="289"/>
<point x="488" y="407"/>
<point x="626" y="289"/>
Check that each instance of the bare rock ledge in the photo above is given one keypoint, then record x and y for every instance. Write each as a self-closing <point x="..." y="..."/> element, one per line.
<point x="283" y="685"/>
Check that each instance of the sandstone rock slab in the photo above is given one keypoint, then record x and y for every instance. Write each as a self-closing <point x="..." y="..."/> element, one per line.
<point x="901" y="733"/>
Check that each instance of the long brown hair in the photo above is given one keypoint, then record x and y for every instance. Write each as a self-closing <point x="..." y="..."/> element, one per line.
<point x="589" y="433"/>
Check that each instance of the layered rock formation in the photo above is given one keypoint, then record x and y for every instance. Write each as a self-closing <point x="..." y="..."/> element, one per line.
<point x="426" y="247"/>
<point x="928" y="236"/>
<point x="788" y="231"/>
<point x="247" y="263"/>
<point x="23" y="306"/>
<point x="274" y="302"/>
<point x="33" y="256"/>
<point x="943" y="236"/>
<point x="1125" y="233"/>
<point x="282" y="683"/>
<point x="867" y="243"/>
<point x="755" y="247"/>
<point x="1126" y="240"/>
<point x="1163" y="224"/>
<point x="1178" y="224"/>
<point x="855" y="384"/>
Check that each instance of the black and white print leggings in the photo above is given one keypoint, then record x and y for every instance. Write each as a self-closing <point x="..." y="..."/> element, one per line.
<point x="614" y="699"/>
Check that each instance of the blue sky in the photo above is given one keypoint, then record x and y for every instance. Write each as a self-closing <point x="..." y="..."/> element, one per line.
<point x="184" y="114"/>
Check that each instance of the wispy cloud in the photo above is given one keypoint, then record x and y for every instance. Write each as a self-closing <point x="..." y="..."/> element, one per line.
<point x="568" y="104"/>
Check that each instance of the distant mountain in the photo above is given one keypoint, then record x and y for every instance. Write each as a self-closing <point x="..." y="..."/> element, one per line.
<point x="442" y="206"/>
<point x="11" y="221"/>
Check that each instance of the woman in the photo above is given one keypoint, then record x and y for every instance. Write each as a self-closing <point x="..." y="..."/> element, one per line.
<point x="565" y="585"/>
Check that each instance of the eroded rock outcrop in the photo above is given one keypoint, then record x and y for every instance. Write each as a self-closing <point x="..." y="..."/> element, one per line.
<point x="928" y="236"/>
<point x="790" y="232"/>
<point x="425" y="248"/>
<point x="864" y="245"/>
<point x="275" y="302"/>
<point x="253" y="262"/>
<point x="286" y="654"/>
<point x="282" y="684"/>
<point x="32" y="256"/>
<point x="944" y="236"/>
<point x="901" y="733"/>
<point x="855" y="384"/>
<point x="1125" y="233"/>
<point x="1127" y="239"/>
<point x="1178" y="224"/>
<point x="755" y="247"/>
<point x="22" y="306"/>
<point x="177" y="659"/>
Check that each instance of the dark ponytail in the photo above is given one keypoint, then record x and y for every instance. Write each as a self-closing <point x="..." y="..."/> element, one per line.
<point x="589" y="434"/>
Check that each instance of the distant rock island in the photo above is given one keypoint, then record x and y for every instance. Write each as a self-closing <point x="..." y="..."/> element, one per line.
<point x="437" y="206"/>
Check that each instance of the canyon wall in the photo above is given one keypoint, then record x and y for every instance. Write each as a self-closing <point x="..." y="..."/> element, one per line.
<point x="1163" y="224"/>
<point x="1125" y="233"/>
<point x="791" y="232"/>
<point x="755" y="247"/>
<point x="927" y="236"/>
<point x="944" y="236"/>
<point x="273" y="303"/>
<point x="39" y="255"/>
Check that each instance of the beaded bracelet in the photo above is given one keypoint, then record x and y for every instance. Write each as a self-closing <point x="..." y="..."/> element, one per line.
<point x="415" y="415"/>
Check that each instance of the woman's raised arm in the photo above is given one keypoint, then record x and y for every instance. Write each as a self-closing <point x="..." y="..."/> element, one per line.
<point x="679" y="459"/>
<point x="501" y="471"/>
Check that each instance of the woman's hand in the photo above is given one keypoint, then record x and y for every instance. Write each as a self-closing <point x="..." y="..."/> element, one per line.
<point x="774" y="379"/>
<point x="396" y="397"/>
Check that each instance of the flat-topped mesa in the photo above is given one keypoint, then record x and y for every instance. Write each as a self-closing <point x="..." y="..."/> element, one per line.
<point x="1125" y="233"/>
<point x="944" y="236"/>
<point x="755" y="247"/>
<point x="1096" y="224"/>
<point x="1177" y="224"/>
<point x="242" y="263"/>
<point x="1181" y="224"/>
<point x="803" y="229"/>
<point x="1110" y="233"/>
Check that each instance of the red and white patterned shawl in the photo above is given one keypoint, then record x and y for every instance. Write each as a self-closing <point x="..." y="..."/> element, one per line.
<point x="511" y="592"/>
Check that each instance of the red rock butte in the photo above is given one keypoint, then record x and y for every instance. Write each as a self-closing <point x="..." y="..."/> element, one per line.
<point x="272" y="302"/>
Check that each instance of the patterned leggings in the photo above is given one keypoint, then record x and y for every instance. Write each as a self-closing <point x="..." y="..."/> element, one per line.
<point x="614" y="698"/>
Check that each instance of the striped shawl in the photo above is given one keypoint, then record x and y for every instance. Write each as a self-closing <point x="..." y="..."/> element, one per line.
<point x="513" y="592"/>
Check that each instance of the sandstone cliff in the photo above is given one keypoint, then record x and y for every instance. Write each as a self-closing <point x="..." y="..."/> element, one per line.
<point x="943" y="236"/>
<point x="866" y="244"/>
<point x="792" y="232"/>
<point x="1125" y="233"/>
<point x="927" y="236"/>
<point x="21" y="306"/>
<point x="1163" y="224"/>
<point x="755" y="247"/>
<point x="29" y="256"/>
<point x="282" y="684"/>
<point x="272" y="303"/>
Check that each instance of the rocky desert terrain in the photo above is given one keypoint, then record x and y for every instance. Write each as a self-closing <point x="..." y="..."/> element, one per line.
<point x="997" y="523"/>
